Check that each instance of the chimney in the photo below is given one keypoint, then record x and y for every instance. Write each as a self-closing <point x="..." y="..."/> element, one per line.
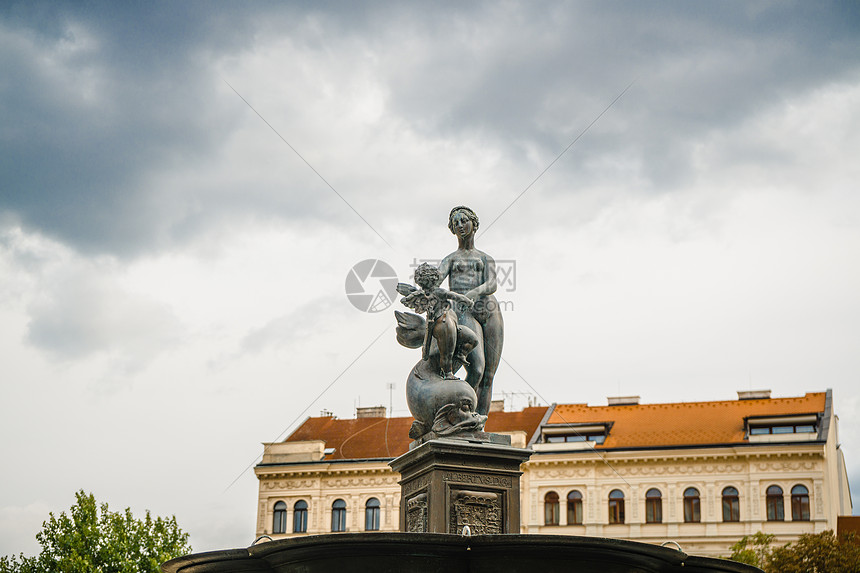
<point x="753" y="394"/>
<point x="370" y="412"/>
<point x="497" y="406"/>
<point x="623" y="400"/>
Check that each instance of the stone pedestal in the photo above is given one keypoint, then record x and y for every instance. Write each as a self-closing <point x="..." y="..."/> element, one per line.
<point x="448" y="483"/>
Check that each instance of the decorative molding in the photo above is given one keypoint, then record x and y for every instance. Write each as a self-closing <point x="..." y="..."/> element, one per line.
<point x="355" y="481"/>
<point x="819" y="498"/>
<point x="290" y="484"/>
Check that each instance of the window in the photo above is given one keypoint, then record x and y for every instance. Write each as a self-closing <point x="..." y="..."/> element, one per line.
<point x="692" y="506"/>
<point x="775" y="505"/>
<point x="574" y="508"/>
<point x="786" y="429"/>
<point x="799" y="503"/>
<point x="770" y="425"/>
<point x="616" y="506"/>
<point x="598" y="438"/>
<point x="550" y="508"/>
<point x="653" y="506"/>
<point x="558" y="433"/>
<point x="731" y="505"/>
<point x="338" y="515"/>
<point x="279" y="521"/>
<point x="371" y="515"/>
<point x="300" y="517"/>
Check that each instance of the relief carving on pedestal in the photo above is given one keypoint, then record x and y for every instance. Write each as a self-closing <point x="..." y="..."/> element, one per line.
<point x="480" y="510"/>
<point x="416" y="514"/>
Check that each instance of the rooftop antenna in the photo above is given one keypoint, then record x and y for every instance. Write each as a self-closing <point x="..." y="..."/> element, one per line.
<point x="391" y="386"/>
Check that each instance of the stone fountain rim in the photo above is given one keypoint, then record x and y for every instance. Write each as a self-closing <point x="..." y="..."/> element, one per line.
<point x="449" y="543"/>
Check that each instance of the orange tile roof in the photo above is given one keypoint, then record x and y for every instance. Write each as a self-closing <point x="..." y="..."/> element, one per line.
<point x="367" y="438"/>
<point x="684" y="423"/>
<point x="360" y="438"/>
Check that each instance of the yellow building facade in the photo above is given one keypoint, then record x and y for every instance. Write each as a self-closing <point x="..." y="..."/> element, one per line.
<point x="700" y="474"/>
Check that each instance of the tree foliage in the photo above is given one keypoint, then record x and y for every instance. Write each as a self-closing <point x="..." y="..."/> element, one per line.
<point x="93" y="539"/>
<point x="753" y="549"/>
<point x="823" y="552"/>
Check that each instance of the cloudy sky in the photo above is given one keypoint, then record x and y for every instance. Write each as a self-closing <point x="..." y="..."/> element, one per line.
<point x="185" y="186"/>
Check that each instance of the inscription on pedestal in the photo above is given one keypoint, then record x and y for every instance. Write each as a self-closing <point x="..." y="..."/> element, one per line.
<point x="478" y="479"/>
<point x="415" y="485"/>
<point x="416" y="514"/>
<point x="480" y="510"/>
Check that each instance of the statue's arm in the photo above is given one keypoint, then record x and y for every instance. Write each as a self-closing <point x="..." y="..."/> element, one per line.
<point x="457" y="297"/>
<point x="444" y="269"/>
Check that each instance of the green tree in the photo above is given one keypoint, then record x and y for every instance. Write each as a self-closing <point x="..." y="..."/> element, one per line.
<point x="753" y="549"/>
<point x="822" y="552"/>
<point x="93" y="539"/>
<point x="818" y="553"/>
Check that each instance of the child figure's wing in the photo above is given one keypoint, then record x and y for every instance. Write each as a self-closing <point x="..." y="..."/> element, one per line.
<point x="410" y="329"/>
<point x="417" y="301"/>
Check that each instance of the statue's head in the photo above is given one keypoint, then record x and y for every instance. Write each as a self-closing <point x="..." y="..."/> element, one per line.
<point x="427" y="276"/>
<point x="464" y="211"/>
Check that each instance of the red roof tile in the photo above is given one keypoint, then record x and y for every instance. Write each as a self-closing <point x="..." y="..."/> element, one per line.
<point x="365" y="438"/>
<point x="685" y="423"/>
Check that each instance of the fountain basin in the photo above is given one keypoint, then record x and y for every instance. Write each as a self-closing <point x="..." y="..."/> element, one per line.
<point x="446" y="553"/>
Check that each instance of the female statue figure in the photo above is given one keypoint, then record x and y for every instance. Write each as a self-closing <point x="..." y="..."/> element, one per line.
<point x="463" y="328"/>
<point x="472" y="273"/>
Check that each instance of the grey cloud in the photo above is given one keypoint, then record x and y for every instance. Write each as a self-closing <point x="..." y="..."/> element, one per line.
<point x="526" y="78"/>
<point x="313" y="318"/>
<point x="100" y="104"/>
<point x="83" y="313"/>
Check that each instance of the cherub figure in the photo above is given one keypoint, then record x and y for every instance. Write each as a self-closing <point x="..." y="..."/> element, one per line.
<point x="441" y="318"/>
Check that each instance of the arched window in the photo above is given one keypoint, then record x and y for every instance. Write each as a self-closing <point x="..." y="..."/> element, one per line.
<point x="300" y="517"/>
<point x="371" y="515"/>
<point x="731" y="504"/>
<point x="775" y="504"/>
<point x="338" y="515"/>
<point x="799" y="503"/>
<point x="279" y="520"/>
<point x="692" y="506"/>
<point x="653" y="506"/>
<point x="616" y="506"/>
<point x="574" y="508"/>
<point x="550" y="508"/>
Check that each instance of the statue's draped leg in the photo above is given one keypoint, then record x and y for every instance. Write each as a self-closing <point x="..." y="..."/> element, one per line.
<point x="493" y="340"/>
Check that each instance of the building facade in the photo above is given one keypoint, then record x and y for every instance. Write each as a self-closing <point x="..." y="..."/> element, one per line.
<point x="699" y="474"/>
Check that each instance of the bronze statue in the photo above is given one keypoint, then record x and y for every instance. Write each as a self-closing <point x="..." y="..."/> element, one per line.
<point x="473" y="273"/>
<point x="441" y="320"/>
<point x="463" y="328"/>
